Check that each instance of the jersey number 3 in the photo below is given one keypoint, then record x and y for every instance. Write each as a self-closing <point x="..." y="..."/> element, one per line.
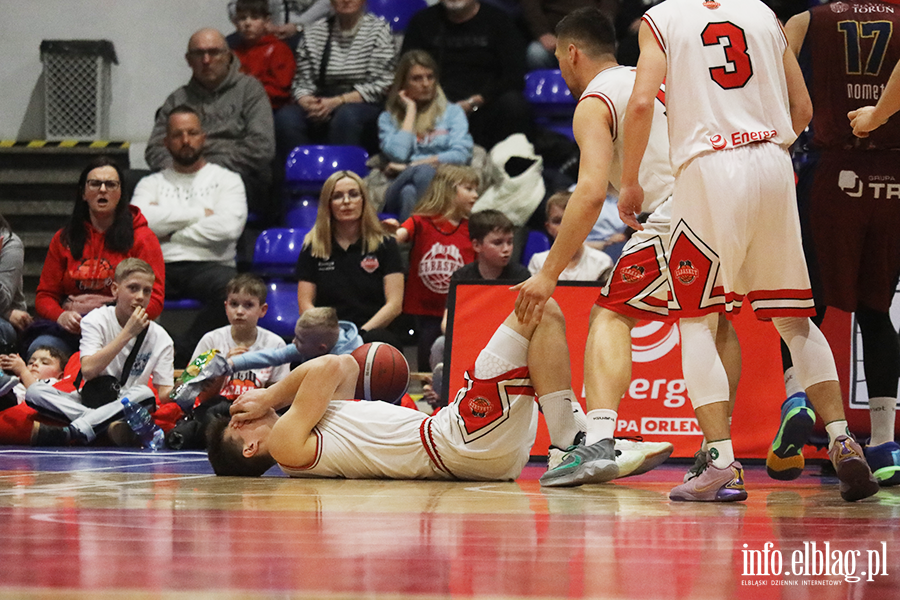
<point x="738" y="69"/>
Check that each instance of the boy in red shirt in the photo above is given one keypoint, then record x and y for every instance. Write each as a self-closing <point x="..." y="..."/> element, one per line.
<point x="263" y="55"/>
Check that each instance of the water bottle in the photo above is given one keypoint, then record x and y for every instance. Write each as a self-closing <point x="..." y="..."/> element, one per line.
<point x="141" y="423"/>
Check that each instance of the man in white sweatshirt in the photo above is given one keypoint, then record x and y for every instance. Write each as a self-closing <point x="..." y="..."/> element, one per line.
<point x="197" y="210"/>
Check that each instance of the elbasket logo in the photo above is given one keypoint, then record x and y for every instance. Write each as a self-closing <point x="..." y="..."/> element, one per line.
<point x="686" y="272"/>
<point x="850" y="183"/>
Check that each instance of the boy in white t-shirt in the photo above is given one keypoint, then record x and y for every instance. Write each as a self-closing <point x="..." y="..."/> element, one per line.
<point x="108" y="337"/>
<point x="588" y="263"/>
<point x="245" y="305"/>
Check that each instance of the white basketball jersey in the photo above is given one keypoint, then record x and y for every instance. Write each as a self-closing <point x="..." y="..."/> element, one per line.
<point x="725" y="84"/>
<point x="613" y="86"/>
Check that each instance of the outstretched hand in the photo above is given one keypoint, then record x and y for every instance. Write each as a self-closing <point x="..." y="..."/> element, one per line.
<point x="533" y="295"/>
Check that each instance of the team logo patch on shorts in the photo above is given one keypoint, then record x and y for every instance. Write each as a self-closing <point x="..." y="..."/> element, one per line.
<point x="480" y="406"/>
<point x="369" y="263"/>
<point x="686" y="272"/>
<point x="633" y="273"/>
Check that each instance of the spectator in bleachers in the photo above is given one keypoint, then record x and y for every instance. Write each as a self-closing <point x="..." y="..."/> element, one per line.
<point x="263" y="55"/>
<point x="79" y="269"/>
<point x="14" y="317"/>
<point x="588" y="263"/>
<point x="293" y="16"/>
<point x="541" y="17"/>
<point x="345" y="64"/>
<point x="439" y="233"/>
<point x="419" y="131"/>
<point x="236" y="116"/>
<point x="347" y="262"/>
<point x="481" y="58"/>
<point x="198" y="210"/>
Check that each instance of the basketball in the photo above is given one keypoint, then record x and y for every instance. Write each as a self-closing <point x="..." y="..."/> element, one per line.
<point x="383" y="372"/>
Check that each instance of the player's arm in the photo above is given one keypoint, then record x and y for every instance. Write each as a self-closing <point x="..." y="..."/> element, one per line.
<point x="868" y="118"/>
<point x="799" y="101"/>
<point x="795" y="31"/>
<point x="592" y="124"/>
<point x="329" y="377"/>
<point x="651" y="71"/>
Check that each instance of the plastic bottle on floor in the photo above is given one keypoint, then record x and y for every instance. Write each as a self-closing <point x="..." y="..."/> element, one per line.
<point x="141" y="423"/>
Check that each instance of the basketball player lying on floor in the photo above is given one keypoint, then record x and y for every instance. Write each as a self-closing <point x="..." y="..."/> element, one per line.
<point x="486" y="433"/>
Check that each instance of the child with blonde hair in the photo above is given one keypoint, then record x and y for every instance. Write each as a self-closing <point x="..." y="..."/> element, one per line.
<point x="439" y="233"/>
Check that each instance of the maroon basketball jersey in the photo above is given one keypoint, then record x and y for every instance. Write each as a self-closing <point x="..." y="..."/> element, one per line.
<point x="850" y="49"/>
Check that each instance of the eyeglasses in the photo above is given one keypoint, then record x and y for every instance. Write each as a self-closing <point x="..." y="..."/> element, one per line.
<point x="212" y="52"/>
<point x="96" y="184"/>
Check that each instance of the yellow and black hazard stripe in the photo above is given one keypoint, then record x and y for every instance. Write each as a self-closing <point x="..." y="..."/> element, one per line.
<point x="64" y="144"/>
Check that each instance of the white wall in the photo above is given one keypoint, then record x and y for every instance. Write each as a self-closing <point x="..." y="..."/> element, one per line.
<point x="150" y="38"/>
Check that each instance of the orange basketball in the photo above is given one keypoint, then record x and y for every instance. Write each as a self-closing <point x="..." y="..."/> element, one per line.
<point x="383" y="372"/>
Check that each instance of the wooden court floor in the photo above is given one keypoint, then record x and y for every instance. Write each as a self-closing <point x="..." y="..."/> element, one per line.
<point x="115" y="524"/>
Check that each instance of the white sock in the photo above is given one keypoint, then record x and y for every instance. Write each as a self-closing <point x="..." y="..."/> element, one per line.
<point x="580" y="417"/>
<point x="791" y="384"/>
<point x="601" y="425"/>
<point x="835" y="429"/>
<point x="882" y="412"/>
<point x="557" y="409"/>
<point x="722" y="453"/>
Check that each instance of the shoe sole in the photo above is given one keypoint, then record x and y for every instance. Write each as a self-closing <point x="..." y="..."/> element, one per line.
<point x="856" y="480"/>
<point x="798" y="425"/>
<point x="722" y="495"/>
<point x="651" y="461"/>
<point x="888" y="476"/>
<point x="595" y="472"/>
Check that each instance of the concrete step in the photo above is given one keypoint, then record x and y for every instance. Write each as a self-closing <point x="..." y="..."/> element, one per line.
<point x="36" y="239"/>
<point x="65" y="155"/>
<point x="39" y="176"/>
<point x="10" y="208"/>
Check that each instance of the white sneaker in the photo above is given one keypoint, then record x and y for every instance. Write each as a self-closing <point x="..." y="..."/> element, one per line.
<point x="635" y="458"/>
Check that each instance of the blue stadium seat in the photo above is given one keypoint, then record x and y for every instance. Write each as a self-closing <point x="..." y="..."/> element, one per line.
<point x="276" y="252"/>
<point x="537" y="241"/>
<point x="396" y="12"/>
<point x="553" y="104"/>
<point x="182" y="304"/>
<point x="301" y="212"/>
<point x="308" y="167"/>
<point x="283" y="310"/>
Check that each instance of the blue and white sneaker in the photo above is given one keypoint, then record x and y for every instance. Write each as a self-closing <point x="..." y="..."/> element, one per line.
<point x="884" y="460"/>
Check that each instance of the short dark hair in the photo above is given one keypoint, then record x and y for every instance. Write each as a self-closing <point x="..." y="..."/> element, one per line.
<point x="56" y="353"/>
<point x="590" y="29"/>
<point x="184" y="109"/>
<point x="254" y="8"/>
<point x="486" y="221"/>
<point x="227" y="456"/>
<point x="250" y="284"/>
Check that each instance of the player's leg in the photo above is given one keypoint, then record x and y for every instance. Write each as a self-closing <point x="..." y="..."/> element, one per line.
<point x="729" y="349"/>
<point x="881" y="361"/>
<point x="550" y="372"/>
<point x="814" y="365"/>
<point x="709" y="388"/>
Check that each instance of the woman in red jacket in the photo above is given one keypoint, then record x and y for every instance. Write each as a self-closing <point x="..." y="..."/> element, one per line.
<point x="81" y="262"/>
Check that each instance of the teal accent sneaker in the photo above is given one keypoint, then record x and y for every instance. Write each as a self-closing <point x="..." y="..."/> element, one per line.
<point x="884" y="460"/>
<point x="785" y="459"/>
<point x="584" y="464"/>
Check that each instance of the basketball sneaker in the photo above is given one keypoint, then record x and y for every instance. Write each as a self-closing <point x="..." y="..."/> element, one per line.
<point x="785" y="460"/>
<point x="884" y="460"/>
<point x="701" y="459"/>
<point x="857" y="481"/>
<point x="713" y="485"/>
<point x="635" y="457"/>
<point x="583" y="464"/>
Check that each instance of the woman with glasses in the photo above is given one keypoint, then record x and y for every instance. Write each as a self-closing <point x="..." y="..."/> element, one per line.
<point x="79" y="269"/>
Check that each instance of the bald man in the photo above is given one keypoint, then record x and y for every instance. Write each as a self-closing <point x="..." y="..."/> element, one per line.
<point x="235" y="114"/>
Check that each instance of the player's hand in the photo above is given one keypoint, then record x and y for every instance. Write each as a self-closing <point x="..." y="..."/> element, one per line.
<point x="137" y="322"/>
<point x="631" y="199"/>
<point x="249" y="406"/>
<point x="533" y="295"/>
<point x="70" y="321"/>
<point x="862" y="121"/>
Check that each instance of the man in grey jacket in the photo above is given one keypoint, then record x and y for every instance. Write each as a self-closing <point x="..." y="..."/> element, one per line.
<point x="235" y="113"/>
